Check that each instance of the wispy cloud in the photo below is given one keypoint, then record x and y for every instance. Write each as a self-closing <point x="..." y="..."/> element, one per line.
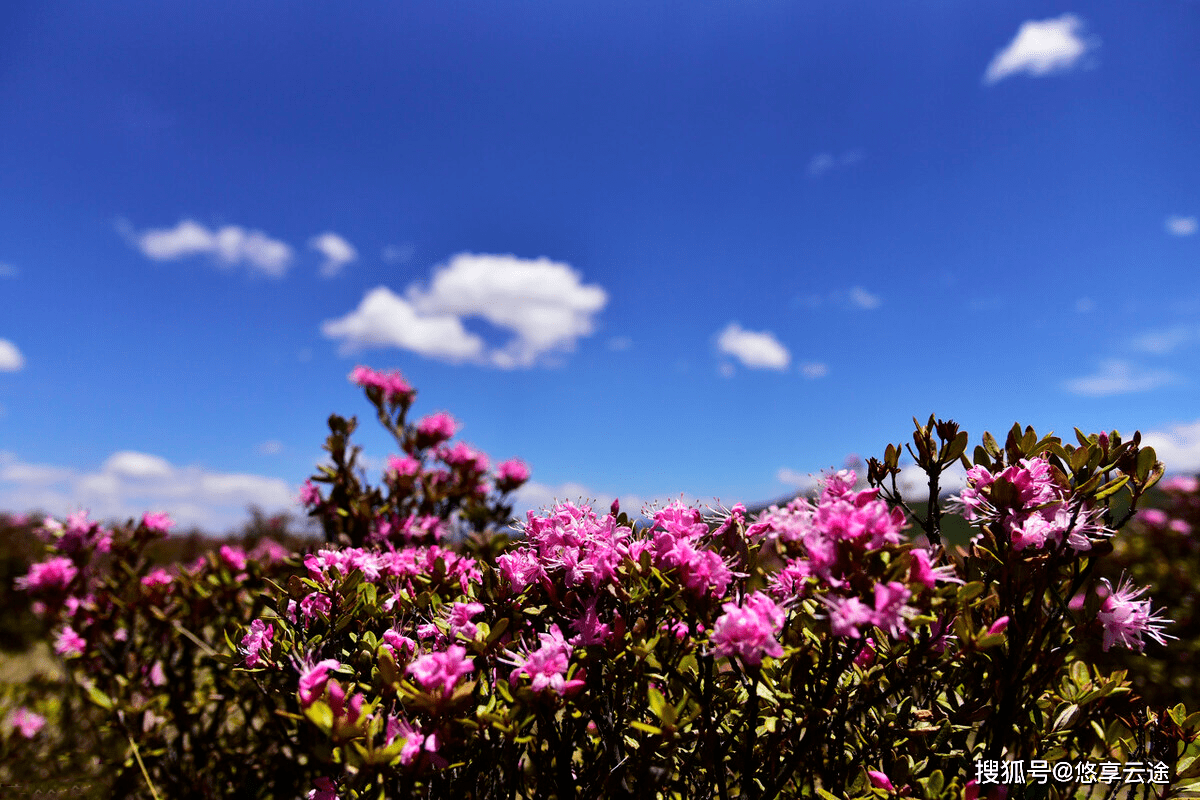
<point x="755" y="349"/>
<point x="814" y="369"/>
<point x="620" y="343"/>
<point x="229" y="246"/>
<point x="1042" y="47"/>
<point x="1177" y="447"/>
<point x="7" y="271"/>
<point x="1085" y="305"/>
<point x="543" y="303"/>
<point x="130" y="483"/>
<point x="1119" y="377"/>
<point x="823" y="163"/>
<point x="337" y="251"/>
<point x="1181" y="226"/>
<point x="1161" y="342"/>
<point x="864" y="299"/>
<point x="11" y="359"/>
<point x="271" y="447"/>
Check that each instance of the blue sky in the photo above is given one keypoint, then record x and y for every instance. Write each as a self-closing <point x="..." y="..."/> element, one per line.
<point x="650" y="248"/>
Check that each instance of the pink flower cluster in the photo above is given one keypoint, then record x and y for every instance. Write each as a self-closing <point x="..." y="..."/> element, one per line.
<point x="511" y="474"/>
<point x="547" y="666"/>
<point x="1030" y="505"/>
<point x="435" y="429"/>
<point x="256" y="641"/>
<point x="78" y="533"/>
<point x="441" y="670"/>
<point x="463" y="456"/>
<point x="890" y="613"/>
<point x="570" y="544"/>
<point x="749" y="630"/>
<point x="51" y="576"/>
<point x="159" y="522"/>
<point x="831" y="533"/>
<point x="390" y="384"/>
<point x="676" y="544"/>
<point x="26" y="722"/>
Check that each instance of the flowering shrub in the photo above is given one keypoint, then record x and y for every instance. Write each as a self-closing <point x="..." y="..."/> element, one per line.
<point x="817" y="649"/>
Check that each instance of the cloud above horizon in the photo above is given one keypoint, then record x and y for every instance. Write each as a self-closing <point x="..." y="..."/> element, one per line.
<point x="1118" y="377"/>
<point x="1177" y="447"/>
<point x="1041" y="47"/>
<point x="11" y="358"/>
<point x="229" y="246"/>
<point x="1181" y="226"/>
<point x="130" y="483"/>
<point x="543" y="304"/>
<point x="754" y="349"/>
<point x="337" y="251"/>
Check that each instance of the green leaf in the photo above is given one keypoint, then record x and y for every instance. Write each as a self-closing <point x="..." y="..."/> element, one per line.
<point x="1112" y="487"/>
<point x="1145" y="461"/>
<point x="99" y="698"/>
<point x="642" y="726"/>
<point x="1066" y="717"/>
<point x="321" y="715"/>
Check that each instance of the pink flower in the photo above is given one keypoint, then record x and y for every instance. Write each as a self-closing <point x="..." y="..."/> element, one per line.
<point x="890" y="611"/>
<point x="999" y="626"/>
<point x="846" y="614"/>
<point x="158" y="522"/>
<point x="310" y="495"/>
<point x="326" y="789"/>
<point x="315" y="603"/>
<point x="1181" y="484"/>
<point x="313" y="680"/>
<point x="406" y="467"/>
<point x="880" y="781"/>
<point x="235" y="557"/>
<point x="547" y="666"/>
<point x="460" y="619"/>
<point x="69" y="643"/>
<point x="157" y="578"/>
<point x="511" y="474"/>
<point x="52" y="575"/>
<point x="867" y="654"/>
<point x="415" y="742"/>
<point x="588" y="628"/>
<point x="1180" y="526"/>
<point x="749" y="630"/>
<point x="258" y="639"/>
<point x="463" y="456"/>
<point x="972" y="791"/>
<point x="441" y="670"/>
<point x="1154" y="517"/>
<point x="399" y="645"/>
<point x="27" y="722"/>
<point x="1126" y="619"/>
<point x="436" y="428"/>
<point x="391" y="385"/>
<point x="922" y="570"/>
<point x="269" y="550"/>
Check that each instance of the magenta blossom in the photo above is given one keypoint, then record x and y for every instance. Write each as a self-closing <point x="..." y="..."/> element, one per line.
<point x="547" y="666"/>
<point x="313" y="680"/>
<point x="460" y="619"/>
<point x="310" y="495"/>
<point x="436" y="428"/>
<point x="68" y="643"/>
<point x="511" y="474"/>
<point x="158" y="522"/>
<point x="749" y="630"/>
<point x="26" y="722"/>
<point x="1126" y="619"/>
<point x="158" y="577"/>
<point x="390" y="384"/>
<point x="880" y="781"/>
<point x="406" y="467"/>
<point x="52" y="575"/>
<point x="415" y="742"/>
<point x="441" y="670"/>
<point x="921" y="570"/>
<point x="326" y="789"/>
<point x="257" y="640"/>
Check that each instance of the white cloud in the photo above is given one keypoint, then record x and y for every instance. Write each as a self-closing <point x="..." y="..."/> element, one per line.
<point x="384" y="319"/>
<point x="11" y="359"/>
<point x="913" y="483"/>
<point x="130" y="483"/>
<point x="1182" y="226"/>
<point x="1161" y="342"/>
<point x="1118" y="377"/>
<point x="822" y="163"/>
<point x="541" y="302"/>
<point x="271" y="447"/>
<point x="230" y="246"/>
<point x="814" y="369"/>
<point x="8" y="271"/>
<point x="1084" y="305"/>
<point x="1041" y="48"/>
<point x="864" y="299"/>
<point x="337" y="251"/>
<point x="757" y="350"/>
<point x="1178" y="447"/>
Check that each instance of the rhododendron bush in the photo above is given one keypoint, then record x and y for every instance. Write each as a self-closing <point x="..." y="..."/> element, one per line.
<point x="836" y="646"/>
